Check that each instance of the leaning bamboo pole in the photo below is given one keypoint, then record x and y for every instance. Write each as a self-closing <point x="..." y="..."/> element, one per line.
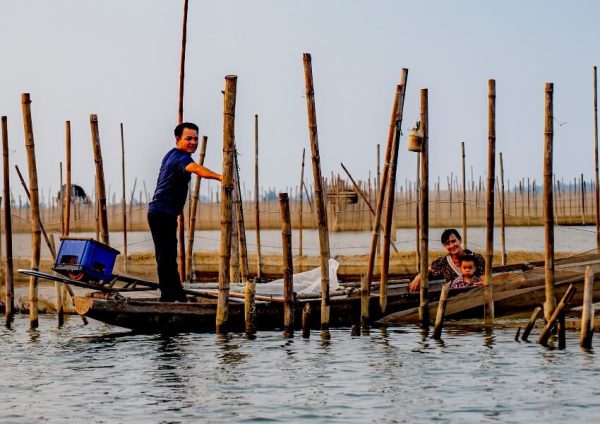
<point x="587" y="311"/>
<point x="288" y="265"/>
<point x="300" y="221"/>
<point x="100" y="187"/>
<point x="489" y="248"/>
<point x="257" y="204"/>
<point x="390" y="195"/>
<point x="380" y="200"/>
<point x="241" y="228"/>
<point x="193" y="212"/>
<point x="227" y="188"/>
<point x="9" y="306"/>
<point x="35" y="209"/>
<point x="596" y="176"/>
<point x="318" y="189"/>
<point x="424" y="218"/>
<point x="550" y="303"/>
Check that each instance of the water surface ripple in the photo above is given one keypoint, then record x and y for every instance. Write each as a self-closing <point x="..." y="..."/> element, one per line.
<point x="97" y="373"/>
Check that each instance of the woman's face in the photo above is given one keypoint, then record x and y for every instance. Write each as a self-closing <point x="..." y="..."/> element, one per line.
<point x="453" y="246"/>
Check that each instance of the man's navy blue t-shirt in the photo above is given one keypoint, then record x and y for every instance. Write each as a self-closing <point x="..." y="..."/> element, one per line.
<point x="172" y="184"/>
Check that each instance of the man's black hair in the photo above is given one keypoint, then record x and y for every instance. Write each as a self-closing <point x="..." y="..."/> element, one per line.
<point x="447" y="233"/>
<point x="179" y="128"/>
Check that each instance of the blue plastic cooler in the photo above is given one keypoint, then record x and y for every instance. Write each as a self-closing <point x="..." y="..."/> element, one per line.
<point x="85" y="259"/>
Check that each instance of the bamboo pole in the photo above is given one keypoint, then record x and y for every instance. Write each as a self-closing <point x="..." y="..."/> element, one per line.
<point x="390" y="192"/>
<point x="502" y="214"/>
<point x="227" y="188"/>
<point x="587" y="311"/>
<point x="124" y="202"/>
<point x="596" y="176"/>
<point x="417" y="214"/>
<point x="9" y="306"/>
<point x="319" y="195"/>
<point x="439" y="319"/>
<point x="193" y="212"/>
<point x="100" y="188"/>
<point x="250" y="307"/>
<point x="35" y="209"/>
<point x="380" y="200"/>
<point x="300" y="222"/>
<point x="241" y="228"/>
<point x="306" y="321"/>
<point x="464" y="193"/>
<point x="534" y="316"/>
<point x="550" y="303"/>
<point x="562" y="305"/>
<point x="259" y="264"/>
<point x="489" y="250"/>
<point x="582" y="181"/>
<point x="235" y="242"/>
<point x="288" y="266"/>
<point x="180" y="219"/>
<point x="424" y="268"/>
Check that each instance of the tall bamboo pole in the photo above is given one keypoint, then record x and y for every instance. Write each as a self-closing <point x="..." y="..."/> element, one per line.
<point x="550" y="304"/>
<point x="596" y="176"/>
<point x="502" y="214"/>
<point x="319" y="195"/>
<point x="380" y="200"/>
<point x="424" y="268"/>
<point x="180" y="219"/>
<point x="464" y="195"/>
<point x="288" y="265"/>
<point x="390" y="195"/>
<point x="489" y="249"/>
<point x="257" y="203"/>
<point x="9" y="307"/>
<point x="35" y="209"/>
<point x="227" y="188"/>
<point x="67" y="196"/>
<point x="100" y="187"/>
<point x="124" y="201"/>
<point x="418" y="214"/>
<point x="193" y="212"/>
<point x="300" y="221"/>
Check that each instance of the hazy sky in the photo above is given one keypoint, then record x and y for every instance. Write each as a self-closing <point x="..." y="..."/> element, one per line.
<point x="120" y="60"/>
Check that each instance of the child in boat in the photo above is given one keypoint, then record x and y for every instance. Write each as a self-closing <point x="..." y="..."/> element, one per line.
<point x="468" y="269"/>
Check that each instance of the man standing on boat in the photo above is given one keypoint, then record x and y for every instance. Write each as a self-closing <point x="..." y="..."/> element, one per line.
<point x="167" y="203"/>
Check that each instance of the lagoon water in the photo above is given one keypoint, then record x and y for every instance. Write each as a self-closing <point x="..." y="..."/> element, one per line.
<point x="101" y="374"/>
<point x="567" y="239"/>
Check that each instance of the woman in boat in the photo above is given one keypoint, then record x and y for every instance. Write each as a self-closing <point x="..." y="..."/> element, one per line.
<point x="448" y="266"/>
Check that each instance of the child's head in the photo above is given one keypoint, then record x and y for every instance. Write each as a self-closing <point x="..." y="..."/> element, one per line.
<point x="467" y="265"/>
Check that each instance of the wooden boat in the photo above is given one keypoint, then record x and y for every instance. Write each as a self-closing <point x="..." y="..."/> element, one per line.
<point x="513" y="291"/>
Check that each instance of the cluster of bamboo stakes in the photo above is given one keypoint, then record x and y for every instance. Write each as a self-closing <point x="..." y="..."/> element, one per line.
<point x="232" y="226"/>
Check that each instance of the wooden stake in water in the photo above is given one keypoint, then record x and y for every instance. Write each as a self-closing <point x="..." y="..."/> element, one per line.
<point x="502" y="214"/>
<point x="101" y="191"/>
<point x="439" y="318"/>
<point x="9" y="306"/>
<point x="390" y="195"/>
<point x="35" y="209"/>
<point x="550" y="303"/>
<point x="288" y="266"/>
<point x="227" y="188"/>
<point x="534" y="316"/>
<point x="489" y="250"/>
<point x="257" y="203"/>
<point x="424" y="269"/>
<point x="562" y="305"/>
<point x="587" y="311"/>
<point x="464" y="195"/>
<point x="124" y="202"/>
<point x="250" y="307"/>
<point x="193" y="212"/>
<point x="319" y="194"/>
